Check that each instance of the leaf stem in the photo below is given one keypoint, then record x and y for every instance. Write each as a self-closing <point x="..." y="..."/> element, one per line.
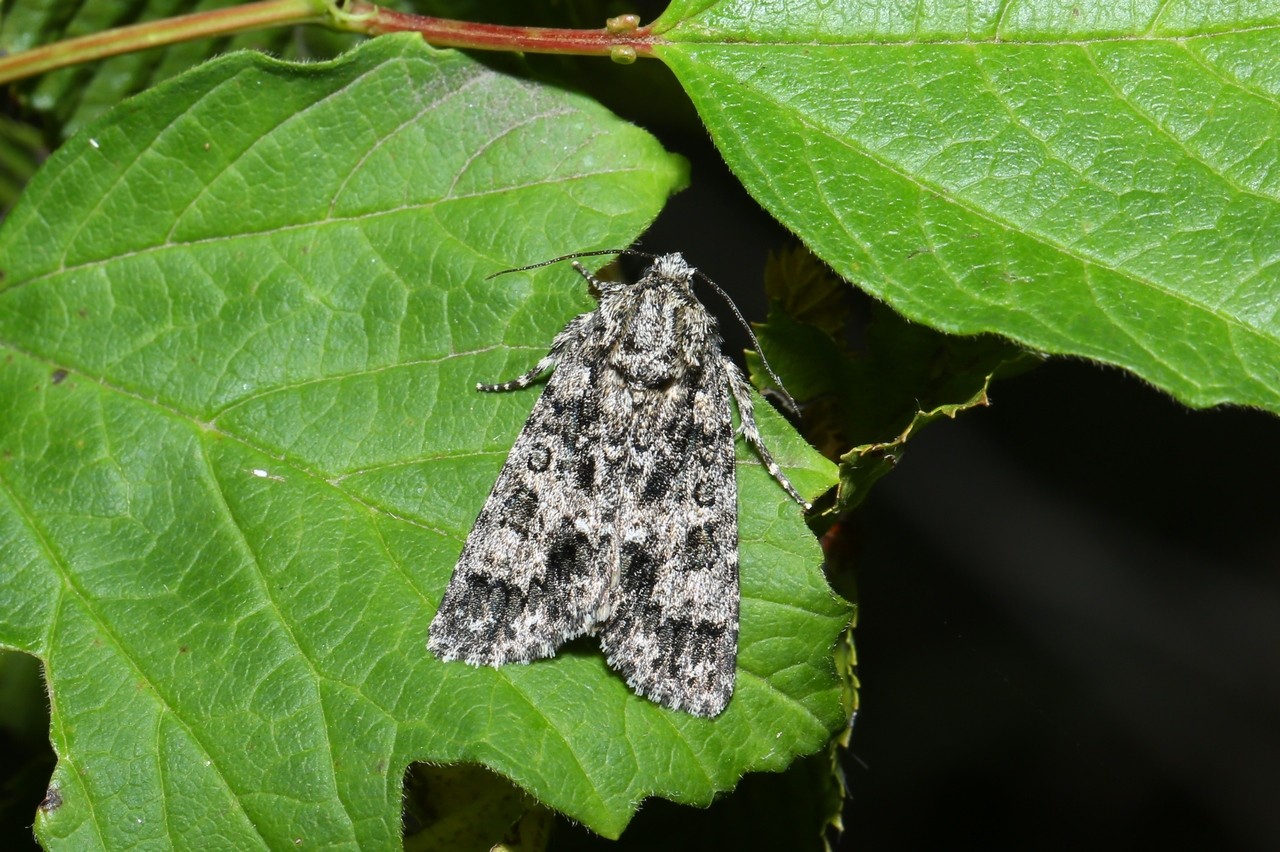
<point x="623" y="39"/>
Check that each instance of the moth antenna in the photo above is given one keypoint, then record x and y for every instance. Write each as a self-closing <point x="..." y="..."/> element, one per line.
<point x="575" y="254"/>
<point x="786" y="398"/>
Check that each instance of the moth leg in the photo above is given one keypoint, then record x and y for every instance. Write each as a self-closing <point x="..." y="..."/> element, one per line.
<point x="567" y="338"/>
<point x="522" y="381"/>
<point x="591" y="279"/>
<point x="746" y="413"/>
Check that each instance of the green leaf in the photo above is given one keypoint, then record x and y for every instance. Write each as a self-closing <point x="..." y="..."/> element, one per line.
<point x="1094" y="179"/>
<point x="242" y="318"/>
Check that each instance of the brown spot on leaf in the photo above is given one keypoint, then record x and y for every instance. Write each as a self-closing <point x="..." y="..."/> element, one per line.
<point x="52" y="799"/>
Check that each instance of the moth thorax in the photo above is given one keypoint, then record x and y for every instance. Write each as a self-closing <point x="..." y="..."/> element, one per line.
<point x="652" y="335"/>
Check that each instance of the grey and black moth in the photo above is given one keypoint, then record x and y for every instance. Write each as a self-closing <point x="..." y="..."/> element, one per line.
<point x="616" y="513"/>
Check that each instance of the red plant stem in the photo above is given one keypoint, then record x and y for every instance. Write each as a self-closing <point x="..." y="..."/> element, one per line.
<point x="443" y="32"/>
<point x="623" y="40"/>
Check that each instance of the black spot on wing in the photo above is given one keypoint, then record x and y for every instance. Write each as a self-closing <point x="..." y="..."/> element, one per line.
<point x="700" y="550"/>
<point x="678" y="433"/>
<point x="569" y="555"/>
<point x="657" y="484"/>
<point x="539" y="458"/>
<point x="638" y="569"/>
<point x="584" y="471"/>
<point x="705" y="492"/>
<point x="690" y="640"/>
<point x="519" y="508"/>
<point x="489" y="600"/>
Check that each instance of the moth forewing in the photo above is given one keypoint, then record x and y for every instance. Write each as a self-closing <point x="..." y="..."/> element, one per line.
<point x="616" y="510"/>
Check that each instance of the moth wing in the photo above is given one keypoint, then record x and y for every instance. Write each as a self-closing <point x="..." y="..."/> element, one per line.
<point x="673" y="624"/>
<point x="533" y="572"/>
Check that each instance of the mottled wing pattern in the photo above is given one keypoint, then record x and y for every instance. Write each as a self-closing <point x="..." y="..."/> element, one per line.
<point x="617" y="510"/>
<point x="534" y="571"/>
<point x="673" y="628"/>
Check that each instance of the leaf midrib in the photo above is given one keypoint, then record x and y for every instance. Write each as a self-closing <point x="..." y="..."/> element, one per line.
<point x="709" y="37"/>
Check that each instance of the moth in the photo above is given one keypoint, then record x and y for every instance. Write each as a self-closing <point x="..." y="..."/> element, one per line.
<point x="616" y="512"/>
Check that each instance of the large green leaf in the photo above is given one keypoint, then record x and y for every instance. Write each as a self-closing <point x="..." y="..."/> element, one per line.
<point x="1090" y="178"/>
<point x="242" y="318"/>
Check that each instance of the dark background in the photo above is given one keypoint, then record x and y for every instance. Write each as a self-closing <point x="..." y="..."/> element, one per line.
<point x="1069" y="626"/>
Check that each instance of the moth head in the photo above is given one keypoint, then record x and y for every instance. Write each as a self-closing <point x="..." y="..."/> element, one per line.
<point x="658" y="307"/>
<point x="672" y="268"/>
<point x="669" y="273"/>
